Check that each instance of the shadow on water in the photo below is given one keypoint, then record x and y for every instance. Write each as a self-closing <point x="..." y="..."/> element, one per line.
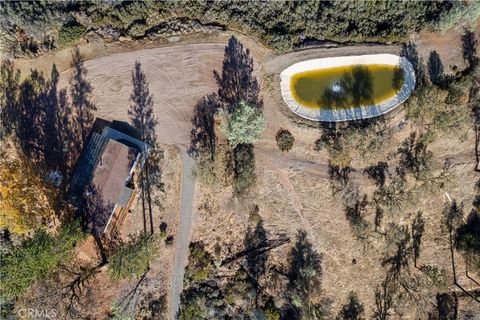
<point x="398" y="78"/>
<point x="360" y="86"/>
<point x="355" y="90"/>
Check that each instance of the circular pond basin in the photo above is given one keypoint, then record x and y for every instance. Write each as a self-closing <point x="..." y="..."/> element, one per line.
<point x="347" y="88"/>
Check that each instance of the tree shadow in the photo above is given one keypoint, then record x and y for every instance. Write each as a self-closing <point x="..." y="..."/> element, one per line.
<point x="30" y="116"/>
<point x="339" y="176"/>
<point x="378" y="173"/>
<point x="256" y="261"/>
<point x="359" y="84"/>
<point x="304" y="276"/>
<point x="474" y="97"/>
<point x="385" y="295"/>
<point x="398" y="78"/>
<point x="353" y="309"/>
<point x="202" y="137"/>
<point x="332" y="100"/>
<point x="237" y="82"/>
<point x="244" y="168"/>
<point x="355" y="89"/>
<point x="9" y="85"/>
<point x="446" y="307"/>
<point x="467" y="239"/>
<point x="469" y="49"/>
<point x="94" y="215"/>
<point x="414" y="156"/>
<point x="80" y="92"/>
<point x="50" y="129"/>
<point x="435" y="69"/>
<point x="409" y="51"/>
<point x="143" y="119"/>
<point x="418" y="228"/>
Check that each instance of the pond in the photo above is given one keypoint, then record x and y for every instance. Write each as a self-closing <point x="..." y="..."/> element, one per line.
<point x="346" y="86"/>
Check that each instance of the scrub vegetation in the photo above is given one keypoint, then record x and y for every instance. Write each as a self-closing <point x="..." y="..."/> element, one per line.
<point x="30" y="27"/>
<point x="36" y="258"/>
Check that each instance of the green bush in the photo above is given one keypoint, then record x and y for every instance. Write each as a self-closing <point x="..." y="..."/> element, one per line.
<point x="244" y="125"/>
<point x="285" y="140"/>
<point x="69" y="33"/>
<point x="438" y="110"/>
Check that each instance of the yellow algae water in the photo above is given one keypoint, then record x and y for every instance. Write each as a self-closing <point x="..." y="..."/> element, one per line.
<point x="346" y="87"/>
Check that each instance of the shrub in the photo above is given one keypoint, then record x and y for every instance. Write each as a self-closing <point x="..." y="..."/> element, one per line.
<point x="365" y="143"/>
<point x="216" y="172"/>
<point x="199" y="263"/>
<point x="244" y="125"/>
<point x="285" y="140"/>
<point x="414" y="156"/>
<point x="438" y="110"/>
<point x="137" y="30"/>
<point x="69" y="33"/>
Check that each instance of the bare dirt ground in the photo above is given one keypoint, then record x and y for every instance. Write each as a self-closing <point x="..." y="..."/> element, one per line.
<point x="178" y="77"/>
<point x="293" y="190"/>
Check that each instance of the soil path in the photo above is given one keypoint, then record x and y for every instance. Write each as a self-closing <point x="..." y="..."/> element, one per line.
<point x="183" y="234"/>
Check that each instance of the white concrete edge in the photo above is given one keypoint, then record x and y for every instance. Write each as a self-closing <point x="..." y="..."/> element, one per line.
<point x="329" y="115"/>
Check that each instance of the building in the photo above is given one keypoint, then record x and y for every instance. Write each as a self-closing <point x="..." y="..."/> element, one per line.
<point x="103" y="184"/>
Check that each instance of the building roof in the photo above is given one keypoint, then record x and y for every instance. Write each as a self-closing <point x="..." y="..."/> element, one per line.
<point x="113" y="170"/>
<point x="102" y="177"/>
<point x="110" y="177"/>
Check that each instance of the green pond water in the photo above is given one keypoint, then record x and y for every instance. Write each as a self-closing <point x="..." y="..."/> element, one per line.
<point x="347" y="86"/>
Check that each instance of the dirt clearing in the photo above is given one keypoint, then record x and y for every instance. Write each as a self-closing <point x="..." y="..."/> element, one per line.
<point x="178" y="77"/>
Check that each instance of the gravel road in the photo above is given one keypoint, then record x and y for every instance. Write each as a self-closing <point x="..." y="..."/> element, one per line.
<point x="183" y="234"/>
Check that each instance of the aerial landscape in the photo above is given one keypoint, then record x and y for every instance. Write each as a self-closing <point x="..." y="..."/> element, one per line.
<point x="270" y="160"/>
